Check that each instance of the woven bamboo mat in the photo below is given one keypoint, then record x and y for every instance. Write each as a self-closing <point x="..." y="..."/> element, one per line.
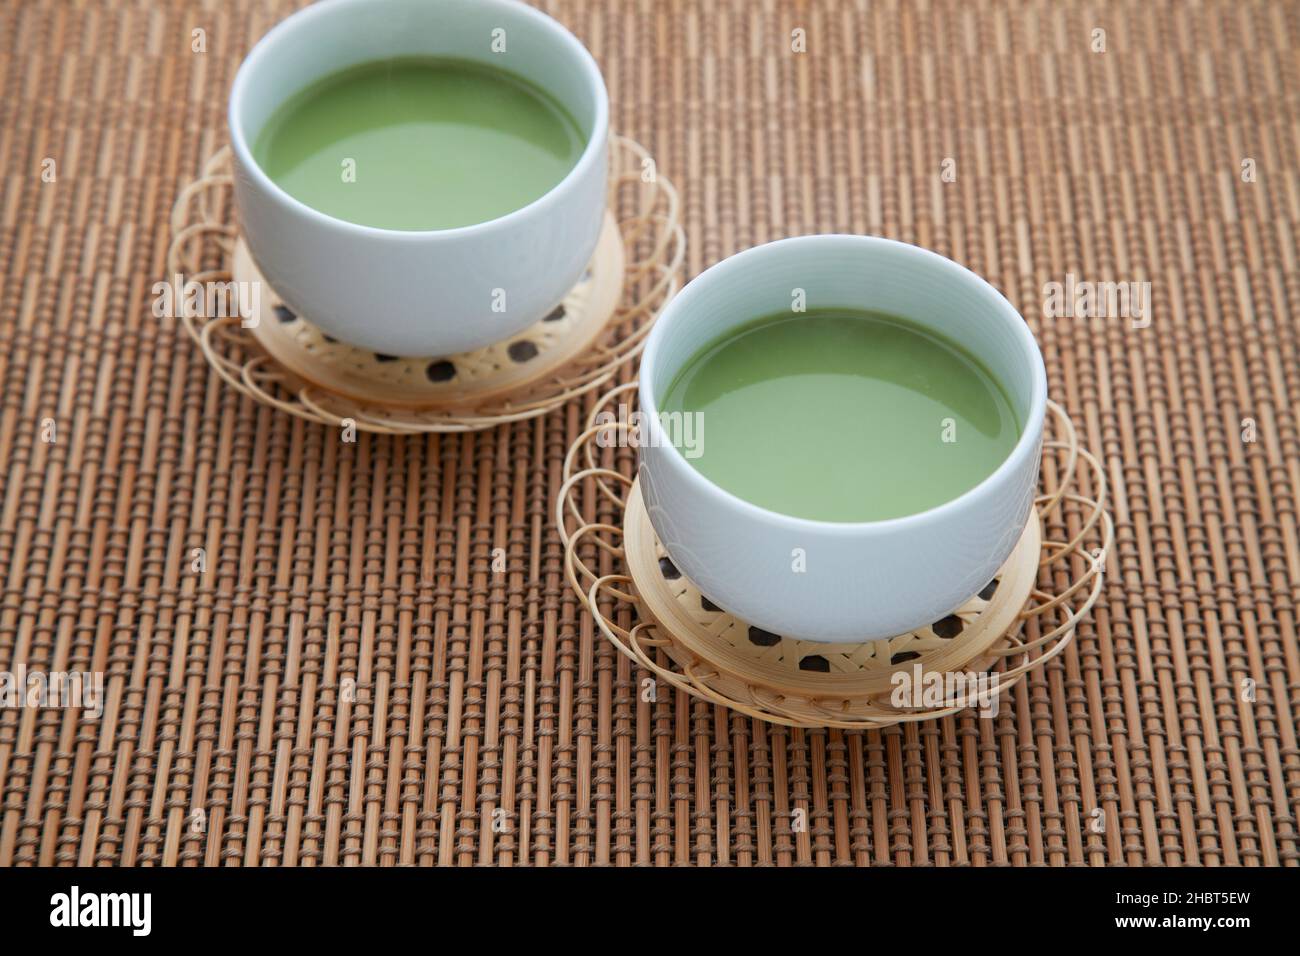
<point x="350" y="681"/>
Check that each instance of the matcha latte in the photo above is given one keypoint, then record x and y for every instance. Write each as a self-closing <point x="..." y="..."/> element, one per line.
<point x="419" y="144"/>
<point x="843" y="416"/>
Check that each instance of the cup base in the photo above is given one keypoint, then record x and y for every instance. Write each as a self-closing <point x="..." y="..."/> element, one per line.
<point x="703" y="631"/>
<point x="439" y="380"/>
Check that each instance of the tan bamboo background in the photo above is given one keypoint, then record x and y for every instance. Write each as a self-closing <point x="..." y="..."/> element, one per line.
<point x="488" y="723"/>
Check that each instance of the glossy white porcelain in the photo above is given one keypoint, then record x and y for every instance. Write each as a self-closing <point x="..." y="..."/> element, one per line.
<point x="441" y="291"/>
<point x="859" y="581"/>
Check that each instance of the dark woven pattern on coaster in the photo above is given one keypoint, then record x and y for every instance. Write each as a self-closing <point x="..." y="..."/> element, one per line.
<point x="355" y="680"/>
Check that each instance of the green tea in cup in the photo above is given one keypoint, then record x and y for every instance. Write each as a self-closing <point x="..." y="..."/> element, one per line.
<point x="843" y="415"/>
<point x="851" y="472"/>
<point x="419" y="143"/>
<point x="420" y="177"/>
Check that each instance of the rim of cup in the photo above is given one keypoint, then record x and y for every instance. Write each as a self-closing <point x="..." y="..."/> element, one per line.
<point x="1030" y="430"/>
<point x="283" y="32"/>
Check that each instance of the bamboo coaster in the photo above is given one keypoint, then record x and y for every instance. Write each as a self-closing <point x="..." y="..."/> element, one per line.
<point x="440" y="381"/>
<point x="654" y="615"/>
<point x="280" y="359"/>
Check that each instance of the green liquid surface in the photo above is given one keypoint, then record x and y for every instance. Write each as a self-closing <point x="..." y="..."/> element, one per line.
<point x="842" y="416"/>
<point x="432" y="144"/>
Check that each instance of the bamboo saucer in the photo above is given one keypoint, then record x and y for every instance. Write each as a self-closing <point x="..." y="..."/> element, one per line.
<point x="450" y="381"/>
<point x="280" y="359"/>
<point x="655" y="616"/>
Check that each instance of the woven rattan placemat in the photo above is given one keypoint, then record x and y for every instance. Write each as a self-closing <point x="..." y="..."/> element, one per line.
<point x="350" y="680"/>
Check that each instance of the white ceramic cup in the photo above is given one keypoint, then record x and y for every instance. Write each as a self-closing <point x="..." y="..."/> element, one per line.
<point x="420" y="293"/>
<point x="864" y="580"/>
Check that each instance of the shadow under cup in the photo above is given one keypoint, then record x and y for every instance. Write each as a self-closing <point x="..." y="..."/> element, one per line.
<point x="863" y="580"/>
<point x="435" y="292"/>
